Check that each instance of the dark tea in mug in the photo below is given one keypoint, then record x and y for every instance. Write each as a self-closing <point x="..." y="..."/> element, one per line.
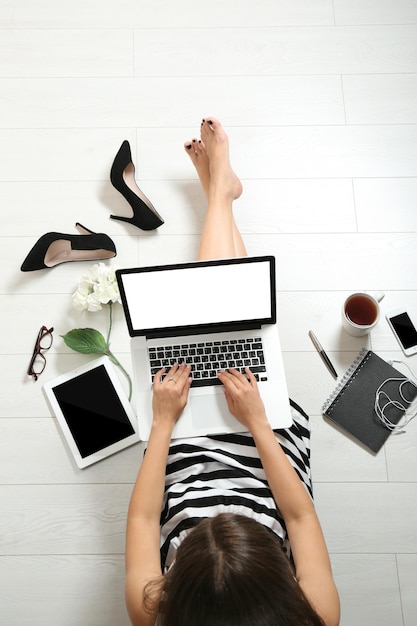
<point x="361" y="310"/>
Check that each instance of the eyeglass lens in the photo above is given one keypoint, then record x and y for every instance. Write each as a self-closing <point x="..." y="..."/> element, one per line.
<point x="39" y="363"/>
<point x="45" y="340"/>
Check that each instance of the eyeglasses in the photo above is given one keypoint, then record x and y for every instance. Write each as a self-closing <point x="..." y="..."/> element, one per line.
<point x="38" y="361"/>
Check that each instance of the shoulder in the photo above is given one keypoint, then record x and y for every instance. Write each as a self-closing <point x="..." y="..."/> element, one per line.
<point x="322" y="594"/>
<point x="313" y="569"/>
<point x="142" y="596"/>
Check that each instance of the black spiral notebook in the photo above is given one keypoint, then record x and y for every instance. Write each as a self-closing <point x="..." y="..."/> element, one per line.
<point x="352" y="404"/>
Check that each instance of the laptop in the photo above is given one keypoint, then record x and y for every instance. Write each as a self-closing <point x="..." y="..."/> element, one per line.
<point x="213" y="315"/>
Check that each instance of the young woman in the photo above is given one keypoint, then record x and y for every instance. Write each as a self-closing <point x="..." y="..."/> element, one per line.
<point x="222" y="530"/>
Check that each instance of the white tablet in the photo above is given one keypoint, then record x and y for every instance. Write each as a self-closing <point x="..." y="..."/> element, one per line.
<point x="93" y="411"/>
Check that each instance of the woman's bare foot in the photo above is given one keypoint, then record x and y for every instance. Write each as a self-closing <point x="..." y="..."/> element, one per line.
<point x="210" y="157"/>
<point x="198" y="155"/>
<point x="216" y="142"/>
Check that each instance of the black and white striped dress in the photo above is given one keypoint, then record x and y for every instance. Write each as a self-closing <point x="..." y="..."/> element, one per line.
<point x="206" y="476"/>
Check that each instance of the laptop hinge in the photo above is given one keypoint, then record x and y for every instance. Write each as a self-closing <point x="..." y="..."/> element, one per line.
<point x="198" y="330"/>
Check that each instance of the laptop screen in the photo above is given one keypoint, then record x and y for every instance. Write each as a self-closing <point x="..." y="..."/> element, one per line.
<point x="207" y="294"/>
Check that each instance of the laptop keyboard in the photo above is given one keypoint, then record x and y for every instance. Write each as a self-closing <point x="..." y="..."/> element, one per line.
<point x="206" y="359"/>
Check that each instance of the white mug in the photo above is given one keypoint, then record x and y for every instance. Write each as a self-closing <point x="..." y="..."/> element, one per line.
<point x="361" y="312"/>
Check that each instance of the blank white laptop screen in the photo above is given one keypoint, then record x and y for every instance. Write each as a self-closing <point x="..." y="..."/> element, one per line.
<point x="198" y="295"/>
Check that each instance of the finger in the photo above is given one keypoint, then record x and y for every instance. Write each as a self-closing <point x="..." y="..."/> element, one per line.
<point x="183" y="373"/>
<point x="173" y="369"/>
<point x="237" y="377"/>
<point x="229" y="380"/>
<point x="187" y="386"/>
<point x="251" y="376"/>
<point x="158" y="376"/>
<point x="171" y="374"/>
<point x="224" y="376"/>
<point x="182" y="368"/>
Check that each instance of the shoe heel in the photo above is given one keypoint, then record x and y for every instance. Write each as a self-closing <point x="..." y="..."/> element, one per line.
<point x="84" y="228"/>
<point x="130" y="220"/>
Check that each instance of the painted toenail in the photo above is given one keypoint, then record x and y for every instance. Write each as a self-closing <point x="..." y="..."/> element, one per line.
<point x="188" y="146"/>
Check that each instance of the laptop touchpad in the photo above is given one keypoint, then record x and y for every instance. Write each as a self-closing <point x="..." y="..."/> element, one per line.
<point x="212" y="412"/>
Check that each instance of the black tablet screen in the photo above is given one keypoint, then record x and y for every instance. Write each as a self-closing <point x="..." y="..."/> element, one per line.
<point x="93" y="411"/>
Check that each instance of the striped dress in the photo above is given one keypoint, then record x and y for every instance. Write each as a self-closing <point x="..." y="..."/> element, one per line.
<point x="206" y="476"/>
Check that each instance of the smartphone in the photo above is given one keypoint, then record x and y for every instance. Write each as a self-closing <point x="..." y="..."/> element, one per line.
<point x="404" y="330"/>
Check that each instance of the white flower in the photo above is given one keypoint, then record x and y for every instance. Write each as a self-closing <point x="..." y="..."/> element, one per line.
<point x="96" y="288"/>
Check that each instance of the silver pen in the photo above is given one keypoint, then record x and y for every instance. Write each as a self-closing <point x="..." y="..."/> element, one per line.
<point x="322" y="353"/>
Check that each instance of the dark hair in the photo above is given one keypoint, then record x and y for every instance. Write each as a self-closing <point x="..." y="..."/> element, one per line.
<point x="230" y="571"/>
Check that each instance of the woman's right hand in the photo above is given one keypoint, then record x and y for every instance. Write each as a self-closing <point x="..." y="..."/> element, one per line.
<point x="243" y="397"/>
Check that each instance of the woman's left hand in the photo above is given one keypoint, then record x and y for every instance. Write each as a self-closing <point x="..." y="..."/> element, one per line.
<point x="170" y="394"/>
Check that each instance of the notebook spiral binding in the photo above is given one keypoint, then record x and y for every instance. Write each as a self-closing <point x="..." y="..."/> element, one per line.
<point x="347" y="377"/>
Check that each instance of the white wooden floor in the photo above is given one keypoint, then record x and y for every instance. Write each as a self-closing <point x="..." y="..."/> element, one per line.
<point x="320" y="101"/>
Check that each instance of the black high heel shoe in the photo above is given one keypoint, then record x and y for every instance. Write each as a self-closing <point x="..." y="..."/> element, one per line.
<point x="122" y="176"/>
<point x="55" y="248"/>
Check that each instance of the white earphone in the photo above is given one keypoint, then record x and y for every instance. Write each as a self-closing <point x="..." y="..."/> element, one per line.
<point x="404" y="404"/>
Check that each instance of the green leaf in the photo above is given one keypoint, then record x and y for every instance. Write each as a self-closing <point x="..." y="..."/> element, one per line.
<point x="86" y="341"/>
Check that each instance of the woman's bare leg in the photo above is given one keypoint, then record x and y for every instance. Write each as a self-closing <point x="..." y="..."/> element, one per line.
<point x="220" y="237"/>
